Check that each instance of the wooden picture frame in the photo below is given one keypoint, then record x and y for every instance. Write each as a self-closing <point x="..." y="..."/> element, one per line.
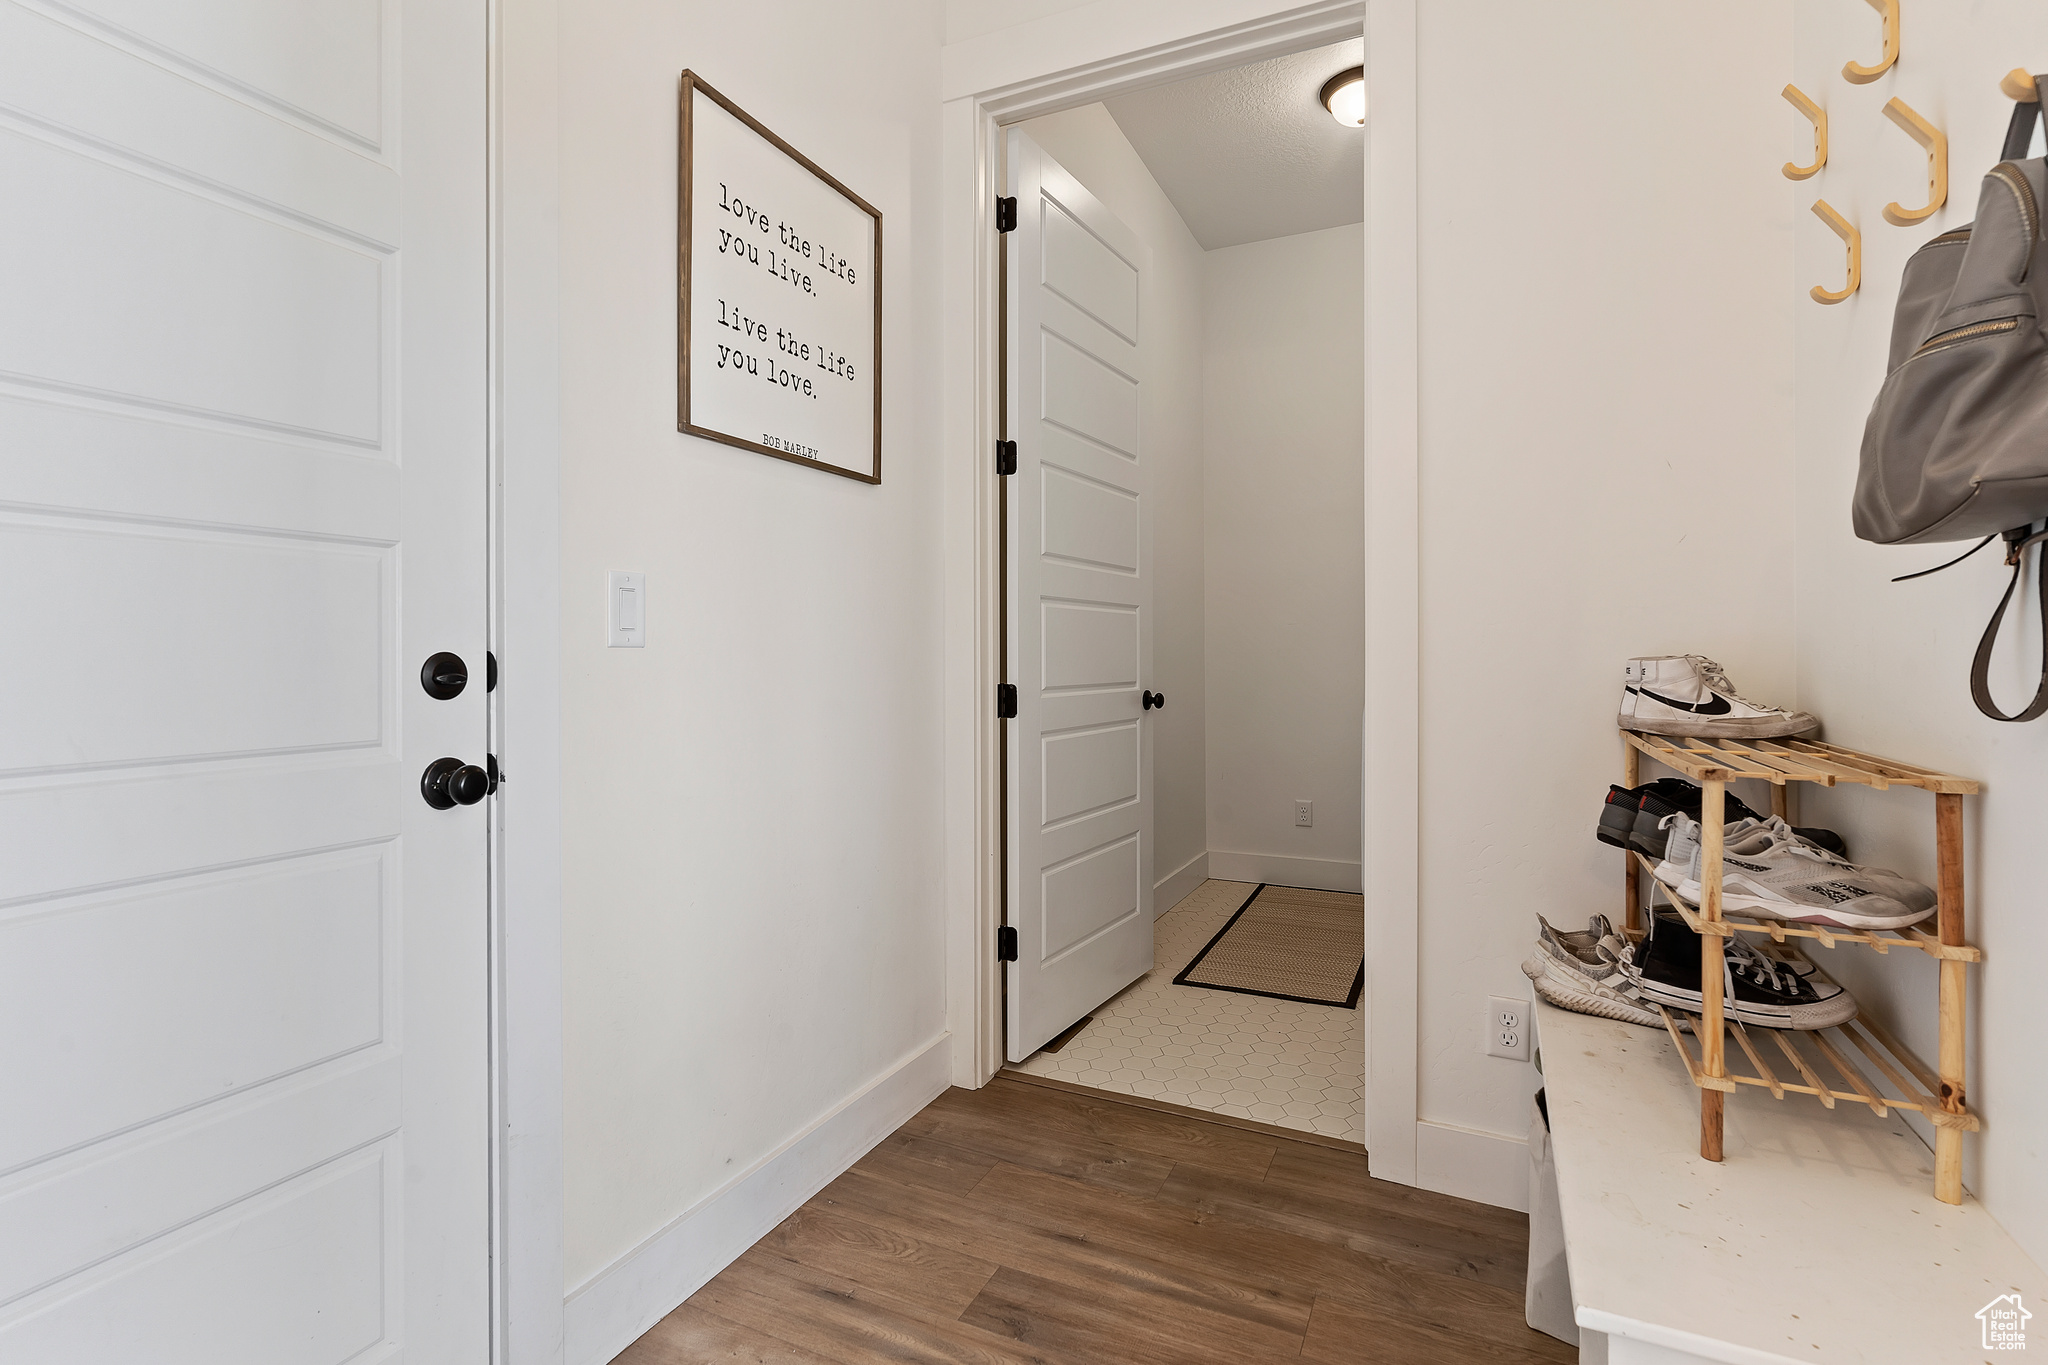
<point x="782" y="279"/>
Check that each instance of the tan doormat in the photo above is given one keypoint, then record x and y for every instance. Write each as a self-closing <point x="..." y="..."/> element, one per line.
<point x="1288" y="943"/>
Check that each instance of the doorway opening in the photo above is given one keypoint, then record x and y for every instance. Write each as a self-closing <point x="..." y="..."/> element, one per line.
<point x="1182" y="317"/>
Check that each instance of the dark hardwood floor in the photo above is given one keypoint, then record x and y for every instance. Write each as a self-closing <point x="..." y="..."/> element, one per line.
<point x="1017" y="1225"/>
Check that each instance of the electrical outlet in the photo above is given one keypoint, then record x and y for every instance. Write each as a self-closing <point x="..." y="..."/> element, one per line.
<point x="1304" y="813"/>
<point x="1507" y="1028"/>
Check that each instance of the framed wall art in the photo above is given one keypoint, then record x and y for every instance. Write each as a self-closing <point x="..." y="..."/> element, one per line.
<point x="779" y="321"/>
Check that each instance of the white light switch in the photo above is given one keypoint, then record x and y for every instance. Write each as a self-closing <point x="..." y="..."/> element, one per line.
<point x="628" y="610"/>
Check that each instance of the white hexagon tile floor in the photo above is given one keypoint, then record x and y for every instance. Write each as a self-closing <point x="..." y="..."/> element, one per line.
<point x="1276" y="1061"/>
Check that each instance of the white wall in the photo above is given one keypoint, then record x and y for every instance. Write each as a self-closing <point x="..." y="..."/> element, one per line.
<point x="751" y="812"/>
<point x="1886" y="666"/>
<point x="976" y="18"/>
<point x="1283" y="432"/>
<point x="1606" y="408"/>
<point x="1090" y="145"/>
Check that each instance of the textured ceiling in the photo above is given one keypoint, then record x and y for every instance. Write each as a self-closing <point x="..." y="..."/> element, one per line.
<point x="1251" y="153"/>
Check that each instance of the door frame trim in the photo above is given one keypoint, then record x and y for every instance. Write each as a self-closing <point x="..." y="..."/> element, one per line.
<point x="1041" y="68"/>
<point x="524" y="342"/>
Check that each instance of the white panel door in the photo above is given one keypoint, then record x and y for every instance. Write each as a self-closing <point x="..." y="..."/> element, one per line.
<point x="243" y="964"/>
<point x="1079" y="609"/>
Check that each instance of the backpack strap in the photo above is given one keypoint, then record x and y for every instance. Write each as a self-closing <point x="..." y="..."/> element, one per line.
<point x="2016" y="541"/>
<point x="2019" y="140"/>
<point x="2019" y="134"/>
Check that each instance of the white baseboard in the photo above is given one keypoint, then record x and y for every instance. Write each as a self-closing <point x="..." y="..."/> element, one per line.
<point x="608" y="1312"/>
<point x="1173" y="888"/>
<point x="1320" y="874"/>
<point x="1491" y="1168"/>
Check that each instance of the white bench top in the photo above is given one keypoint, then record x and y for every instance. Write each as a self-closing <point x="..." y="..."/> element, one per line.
<point x="1819" y="1239"/>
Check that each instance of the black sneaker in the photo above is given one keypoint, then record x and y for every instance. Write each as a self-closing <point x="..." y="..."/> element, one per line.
<point x="1757" y="989"/>
<point x="1620" y="813"/>
<point x="1676" y="796"/>
<point x="1826" y="838"/>
<point x="1633" y="817"/>
<point x="1663" y="797"/>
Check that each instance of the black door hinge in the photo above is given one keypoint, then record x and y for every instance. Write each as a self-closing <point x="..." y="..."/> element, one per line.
<point x="1006" y="213"/>
<point x="1006" y="944"/>
<point x="1006" y="457"/>
<point x="1006" y="701"/>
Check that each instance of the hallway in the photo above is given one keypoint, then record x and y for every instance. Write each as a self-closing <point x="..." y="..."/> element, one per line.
<point x="1019" y="1224"/>
<point x="1284" y="1063"/>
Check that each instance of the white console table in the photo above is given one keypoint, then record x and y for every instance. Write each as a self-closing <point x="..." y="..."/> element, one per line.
<point x="1818" y="1240"/>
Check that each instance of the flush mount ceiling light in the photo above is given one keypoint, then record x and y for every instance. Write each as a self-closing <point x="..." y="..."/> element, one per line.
<point x="1344" y="97"/>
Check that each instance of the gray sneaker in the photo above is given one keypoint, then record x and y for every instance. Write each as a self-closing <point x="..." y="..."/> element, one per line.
<point x="1770" y="872"/>
<point x="1580" y="949"/>
<point x="1682" y="845"/>
<point x="1913" y="895"/>
<point x="1587" y="972"/>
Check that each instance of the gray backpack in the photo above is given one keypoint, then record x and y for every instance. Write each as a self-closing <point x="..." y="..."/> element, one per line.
<point x="1957" y="443"/>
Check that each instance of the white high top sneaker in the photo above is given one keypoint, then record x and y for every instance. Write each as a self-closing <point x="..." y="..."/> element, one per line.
<point x="1688" y="694"/>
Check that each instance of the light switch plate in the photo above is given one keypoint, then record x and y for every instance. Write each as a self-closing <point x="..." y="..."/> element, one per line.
<point x="627" y="610"/>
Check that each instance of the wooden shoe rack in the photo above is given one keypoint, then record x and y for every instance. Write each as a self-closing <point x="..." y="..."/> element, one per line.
<point x="1811" y="1054"/>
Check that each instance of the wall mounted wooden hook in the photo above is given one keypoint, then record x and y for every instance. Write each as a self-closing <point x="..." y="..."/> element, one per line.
<point x="1859" y="74"/>
<point x="2019" y="86"/>
<point x="1846" y="230"/>
<point x="1819" y="118"/>
<point x="1936" y="143"/>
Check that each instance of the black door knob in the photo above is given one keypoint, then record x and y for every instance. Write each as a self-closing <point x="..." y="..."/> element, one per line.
<point x="444" y="675"/>
<point x="1153" y="699"/>
<point x="449" y="782"/>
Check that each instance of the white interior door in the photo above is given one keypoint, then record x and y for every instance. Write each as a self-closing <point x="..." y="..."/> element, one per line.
<point x="1080" y="606"/>
<point x="243" y="1029"/>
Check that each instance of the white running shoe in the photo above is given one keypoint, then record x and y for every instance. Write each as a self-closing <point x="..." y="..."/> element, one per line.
<point x="1689" y="695"/>
<point x="1587" y="973"/>
<point x="1770" y="872"/>
<point x="1682" y="846"/>
<point x="1909" y="893"/>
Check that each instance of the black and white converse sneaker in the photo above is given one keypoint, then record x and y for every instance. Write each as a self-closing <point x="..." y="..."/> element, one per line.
<point x="1690" y="695"/>
<point x="1756" y="988"/>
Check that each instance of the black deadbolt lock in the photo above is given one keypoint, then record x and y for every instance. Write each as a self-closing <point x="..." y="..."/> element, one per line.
<point x="449" y="782"/>
<point x="1153" y="699"/>
<point x="444" y="675"/>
